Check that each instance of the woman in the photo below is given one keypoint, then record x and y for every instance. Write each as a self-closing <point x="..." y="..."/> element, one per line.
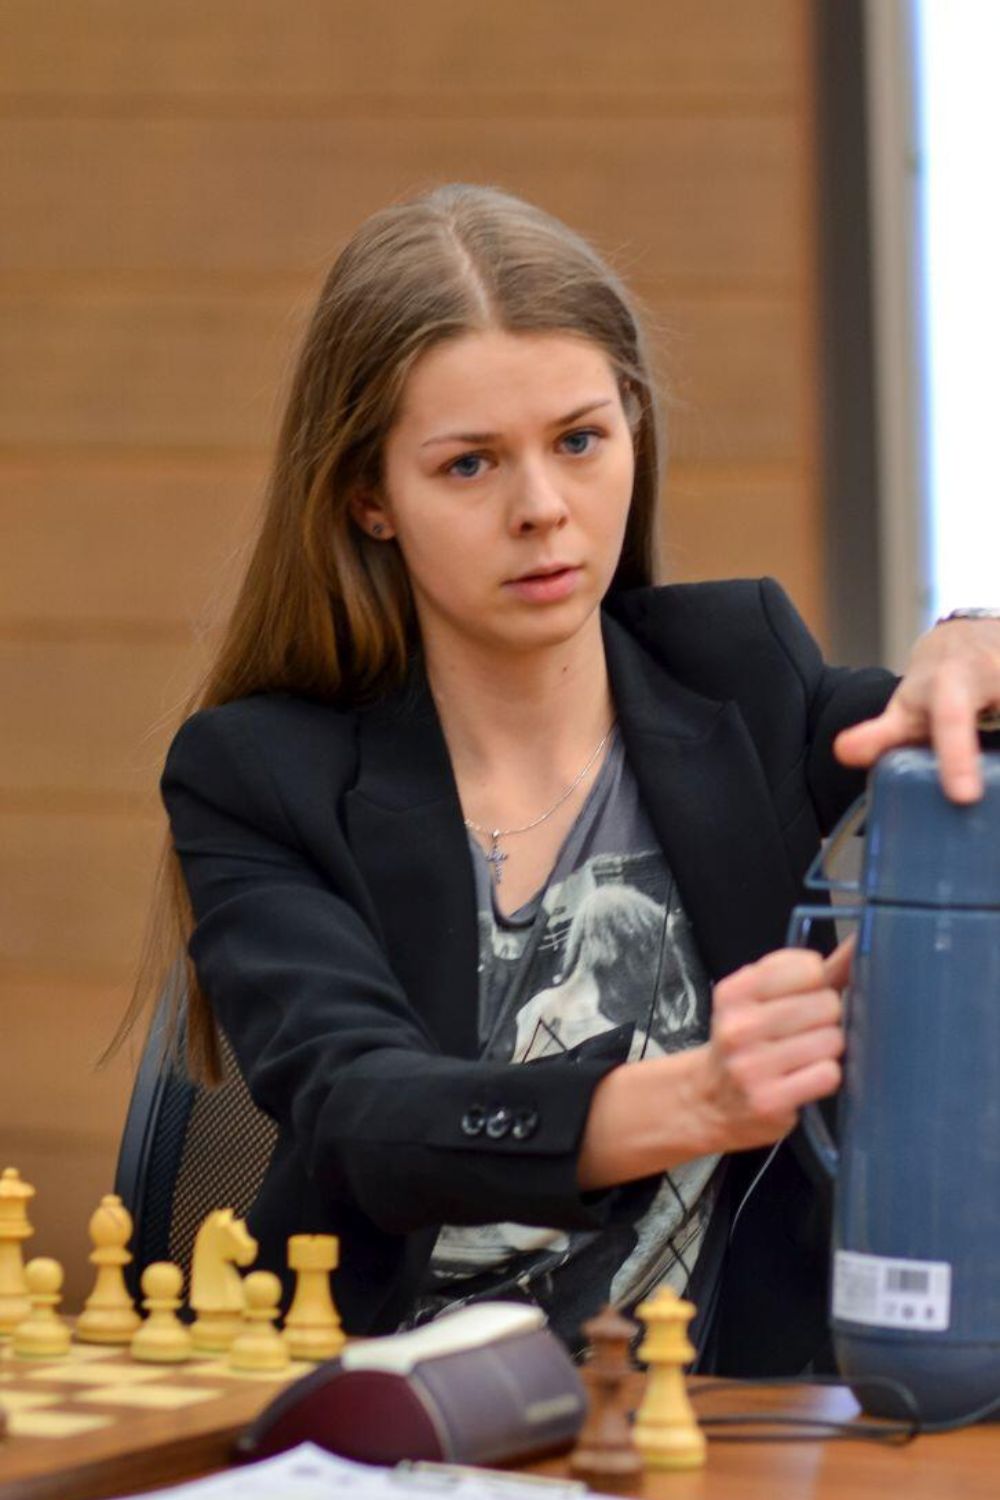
<point x="449" y="707"/>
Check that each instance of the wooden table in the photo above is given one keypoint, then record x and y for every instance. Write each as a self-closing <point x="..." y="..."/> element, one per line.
<point x="97" y="1423"/>
<point x="951" y="1466"/>
<point x="157" y="1448"/>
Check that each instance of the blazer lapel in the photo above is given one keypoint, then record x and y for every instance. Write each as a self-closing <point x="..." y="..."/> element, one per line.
<point x="707" y="798"/>
<point x="404" y="824"/>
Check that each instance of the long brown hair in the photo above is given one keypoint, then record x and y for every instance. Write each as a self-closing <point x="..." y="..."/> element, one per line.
<point x="323" y="609"/>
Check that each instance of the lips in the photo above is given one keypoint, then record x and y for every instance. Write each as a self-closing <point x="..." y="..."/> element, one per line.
<point x="548" y="571"/>
<point x="548" y="584"/>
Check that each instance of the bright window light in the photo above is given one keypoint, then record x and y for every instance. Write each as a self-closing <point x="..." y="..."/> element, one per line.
<point x="958" y="96"/>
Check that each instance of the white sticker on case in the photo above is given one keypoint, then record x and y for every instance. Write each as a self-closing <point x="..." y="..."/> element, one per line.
<point x="889" y="1293"/>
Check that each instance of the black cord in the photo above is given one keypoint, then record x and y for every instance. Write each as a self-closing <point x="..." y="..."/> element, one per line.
<point x="896" y="1434"/>
<point x="815" y="1429"/>
<point x="905" y="1430"/>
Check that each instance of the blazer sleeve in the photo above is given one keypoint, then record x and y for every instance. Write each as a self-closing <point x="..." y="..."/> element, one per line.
<point x="325" y="1036"/>
<point x="834" y="698"/>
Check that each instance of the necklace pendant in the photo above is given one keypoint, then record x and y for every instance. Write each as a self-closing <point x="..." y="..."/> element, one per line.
<point x="496" y="858"/>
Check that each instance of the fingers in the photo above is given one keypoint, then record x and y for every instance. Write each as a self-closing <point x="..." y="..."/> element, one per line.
<point x="777" y="1040"/>
<point x="745" y="1026"/>
<point x="952" y="676"/>
<point x="837" y="965"/>
<point x="955" y="739"/>
<point x="787" y="971"/>
<point x="862" y="744"/>
<point x="951" y="718"/>
<point x="785" y="1096"/>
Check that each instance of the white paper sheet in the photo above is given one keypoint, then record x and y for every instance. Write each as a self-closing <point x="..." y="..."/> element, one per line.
<point x="310" y="1473"/>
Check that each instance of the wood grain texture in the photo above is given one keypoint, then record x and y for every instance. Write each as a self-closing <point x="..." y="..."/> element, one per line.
<point x="75" y="1020"/>
<point x="693" y="196"/>
<point x="74" y="890"/>
<point x="742" y="527"/>
<point x="61" y="1115"/>
<point x="134" y="1448"/>
<point x="141" y="542"/>
<point x="93" y="715"/>
<point x="323" y="54"/>
<point x="813" y="1466"/>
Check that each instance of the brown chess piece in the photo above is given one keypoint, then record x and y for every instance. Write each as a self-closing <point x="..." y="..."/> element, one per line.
<point x="604" y="1450"/>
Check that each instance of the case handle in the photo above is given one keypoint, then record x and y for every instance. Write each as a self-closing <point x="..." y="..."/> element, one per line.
<point x="817" y="878"/>
<point x="814" y="1125"/>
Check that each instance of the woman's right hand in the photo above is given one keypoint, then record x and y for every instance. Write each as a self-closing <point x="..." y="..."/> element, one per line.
<point x="775" y="1044"/>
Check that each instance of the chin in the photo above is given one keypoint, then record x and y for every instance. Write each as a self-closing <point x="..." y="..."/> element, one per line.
<point x="552" y="626"/>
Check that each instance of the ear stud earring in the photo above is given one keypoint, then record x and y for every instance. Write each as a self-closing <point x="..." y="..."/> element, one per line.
<point x="377" y="529"/>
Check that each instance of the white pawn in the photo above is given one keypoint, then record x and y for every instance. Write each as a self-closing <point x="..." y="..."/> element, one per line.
<point x="14" y="1227"/>
<point x="312" y="1327"/>
<point x="42" y="1334"/>
<point x="260" y="1345"/>
<point x="108" y="1315"/>
<point x="162" y="1339"/>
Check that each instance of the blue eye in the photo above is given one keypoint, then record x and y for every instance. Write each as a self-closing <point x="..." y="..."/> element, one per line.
<point x="467" y="466"/>
<point x="581" y="441"/>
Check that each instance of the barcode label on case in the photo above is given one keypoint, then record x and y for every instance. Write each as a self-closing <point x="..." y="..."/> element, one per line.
<point x="888" y="1293"/>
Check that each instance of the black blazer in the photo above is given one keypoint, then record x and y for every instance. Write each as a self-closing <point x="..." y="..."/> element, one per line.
<point x="336" y="939"/>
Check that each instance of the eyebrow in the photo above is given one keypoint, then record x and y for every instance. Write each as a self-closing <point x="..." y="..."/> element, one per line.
<point x="487" y="437"/>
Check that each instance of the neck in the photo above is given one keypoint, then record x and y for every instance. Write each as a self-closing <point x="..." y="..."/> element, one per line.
<point x="537" y="714"/>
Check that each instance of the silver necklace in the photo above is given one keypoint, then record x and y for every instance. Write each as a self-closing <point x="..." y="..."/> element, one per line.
<point x="496" y="856"/>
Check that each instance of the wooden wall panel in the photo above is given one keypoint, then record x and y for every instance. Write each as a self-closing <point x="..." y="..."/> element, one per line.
<point x="327" y="53"/>
<point x="74" y="889"/>
<point x="93" y="716"/>
<point x="736" y="381"/>
<point x="175" y="179"/>
<point x="126" y="369"/>
<point x="61" y="1114"/>
<point x="140" y="546"/>
<point x="72" y="1022"/>
<point x="240" y="195"/>
<point x="739" y="528"/>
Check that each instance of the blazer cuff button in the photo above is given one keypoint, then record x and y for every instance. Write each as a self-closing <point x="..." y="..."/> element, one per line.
<point x="498" y="1123"/>
<point x="473" y="1120"/>
<point x="525" y="1124"/>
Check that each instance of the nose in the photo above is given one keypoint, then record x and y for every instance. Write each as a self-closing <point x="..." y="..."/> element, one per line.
<point x="537" y="502"/>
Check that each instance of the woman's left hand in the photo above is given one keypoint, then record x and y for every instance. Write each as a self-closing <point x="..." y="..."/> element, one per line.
<point x="952" y="677"/>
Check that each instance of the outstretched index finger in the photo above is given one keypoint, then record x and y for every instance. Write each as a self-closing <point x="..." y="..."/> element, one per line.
<point x="955" y="738"/>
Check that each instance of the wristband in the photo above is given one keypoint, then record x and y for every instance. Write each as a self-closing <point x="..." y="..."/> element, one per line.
<point x="971" y="612"/>
<point x="989" y="719"/>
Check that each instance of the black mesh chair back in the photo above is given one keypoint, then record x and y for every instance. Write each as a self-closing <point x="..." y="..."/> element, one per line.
<point x="185" y="1151"/>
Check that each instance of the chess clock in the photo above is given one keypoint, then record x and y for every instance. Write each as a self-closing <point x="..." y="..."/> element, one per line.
<point x="486" y="1384"/>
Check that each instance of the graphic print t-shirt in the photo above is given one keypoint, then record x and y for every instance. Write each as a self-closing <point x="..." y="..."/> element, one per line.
<point x="605" y="946"/>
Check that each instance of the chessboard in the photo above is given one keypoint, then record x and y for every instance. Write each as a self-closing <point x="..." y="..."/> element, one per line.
<point x="96" y="1422"/>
